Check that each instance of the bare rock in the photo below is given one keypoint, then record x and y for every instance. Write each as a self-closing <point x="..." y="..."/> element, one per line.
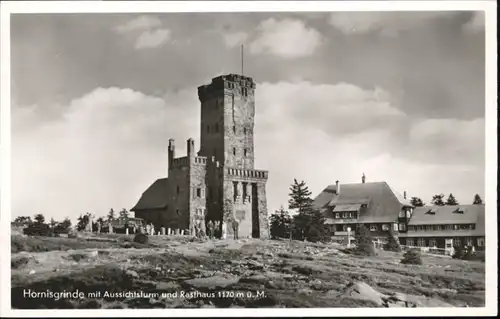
<point x="212" y="282"/>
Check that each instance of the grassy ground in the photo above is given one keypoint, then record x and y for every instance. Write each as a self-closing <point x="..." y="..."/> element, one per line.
<point x="183" y="272"/>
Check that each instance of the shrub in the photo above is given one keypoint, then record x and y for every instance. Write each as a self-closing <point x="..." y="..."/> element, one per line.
<point x="412" y="257"/>
<point x="39" y="230"/>
<point x="392" y="243"/>
<point x="364" y="242"/>
<point x="141" y="238"/>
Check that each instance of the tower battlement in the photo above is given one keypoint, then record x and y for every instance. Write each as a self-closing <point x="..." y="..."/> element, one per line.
<point x="225" y="82"/>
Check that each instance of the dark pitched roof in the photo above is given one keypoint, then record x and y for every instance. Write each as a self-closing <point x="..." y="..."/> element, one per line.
<point x="155" y="197"/>
<point x="434" y="215"/>
<point x="383" y="202"/>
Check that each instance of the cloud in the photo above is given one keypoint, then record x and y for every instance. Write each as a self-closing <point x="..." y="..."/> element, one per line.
<point x="476" y="23"/>
<point x="152" y="39"/>
<point x="287" y="38"/>
<point x="458" y="141"/>
<point x="235" y="39"/>
<point x="388" y="24"/>
<point x="146" y="31"/>
<point x="104" y="150"/>
<point x="143" y="22"/>
<point x="110" y="144"/>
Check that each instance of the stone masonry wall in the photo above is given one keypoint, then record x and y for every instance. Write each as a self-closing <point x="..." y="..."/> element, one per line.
<point x="178" y="207"/>
<point x="198" y="190"/>
<point x="239" y="113"/>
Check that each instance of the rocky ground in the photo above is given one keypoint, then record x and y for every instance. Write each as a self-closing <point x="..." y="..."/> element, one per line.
<point x="173" y="272"/>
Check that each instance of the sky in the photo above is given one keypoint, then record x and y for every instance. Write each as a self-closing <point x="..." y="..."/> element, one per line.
<point x="398" y="96"/>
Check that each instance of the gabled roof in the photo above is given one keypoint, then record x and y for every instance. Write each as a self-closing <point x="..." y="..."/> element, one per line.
<point x="155" y="197"/>
<point x="453" y="214"/>
<point x="383" y="202"/>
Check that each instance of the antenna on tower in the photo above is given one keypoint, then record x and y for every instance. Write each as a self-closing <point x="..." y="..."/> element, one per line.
<point x="242" y="59"/>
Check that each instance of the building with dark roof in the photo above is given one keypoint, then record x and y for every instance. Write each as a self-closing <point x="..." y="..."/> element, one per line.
<point x="219" y="182"/>
<point x="375" y="205"/>
<point x="446" y="227"/>
<point x="379" y="207"/>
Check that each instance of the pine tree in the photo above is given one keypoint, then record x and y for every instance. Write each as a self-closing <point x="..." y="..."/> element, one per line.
<point x="417" y="202"/>
<point x="392" y="242"/>
<point x="364" y="242"/>
<point x="451" y="201"/>
<point x="39" y="219"/>
<point x="300" y="197"/>
<point x="437" y="200"/>
<point x="280" y="224"/>
<point x="477" y="200"/>
<point x="83" y="221"/>
<point x="308" y="223"/>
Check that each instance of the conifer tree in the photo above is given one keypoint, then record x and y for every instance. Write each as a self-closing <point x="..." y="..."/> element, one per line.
<point x="417" y="202"/>
<point x="364" y="242"/>
<point x="477" y="200"/>
<point x="392" y="242"/>
<point x="451" y="201"/>
<point x="437" y="200"/>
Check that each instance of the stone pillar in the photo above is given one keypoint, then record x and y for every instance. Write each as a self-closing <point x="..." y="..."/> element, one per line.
<point x="110" y="229"/>
<point x="224" y="230"/>
<point x="169" y="231"/>
<point x="126" y="231"/>
<point x="162" y="230"/>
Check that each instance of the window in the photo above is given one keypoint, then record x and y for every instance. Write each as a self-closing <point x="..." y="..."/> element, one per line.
<point x="337" y="215"/>
<point x="435" y="227"/>
<point x="402" y="214"/>
<point x="234" y="150"/>
<point x="395" y="227"/>
<point x="178" y="190"/>
<point x="244" y="130"/>
<point x="373" y="227"/>
<point x="234" y="129"/>
<point x="385" y="227"/>
<point x="432" y="242"/>
<point x="198" y="192"/>
<point x="245" y="152"/>
<point x="402" y="227"/>
<point x="421" y="242"/>
<point x="480" y="242"/>
<point x="408" y="214"/>
<point x="410" y="242"/>
<point x="428" y="227"/>
<point x="458" y="242"/>
<point x="235" y="190"/>
<point x="449" y="227"/>
<point x="208" y="129"/>
<point x="455" y="227"/>
<point x="245" y="190"/>
<point x="473" y="226"/>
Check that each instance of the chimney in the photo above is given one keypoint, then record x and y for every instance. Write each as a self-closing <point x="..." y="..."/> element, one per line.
<point x="190" y="147"/>
<point x="404" y="194"/>
<point x="363" y="178"/>
<point x="337" y="187"/>
<point x="171" y="152"/>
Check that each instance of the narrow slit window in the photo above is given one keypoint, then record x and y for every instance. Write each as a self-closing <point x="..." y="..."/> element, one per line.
<point x="234" y="150"/>
<point x="234" y="129"/>
<point x="245" y="152"/>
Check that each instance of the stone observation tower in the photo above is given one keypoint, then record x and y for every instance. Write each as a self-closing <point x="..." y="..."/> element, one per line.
<point x="219" y="182"/>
